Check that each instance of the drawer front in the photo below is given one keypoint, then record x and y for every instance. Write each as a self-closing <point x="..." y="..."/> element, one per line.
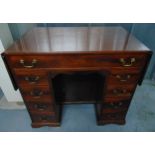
<point x="37" y="93"/>
<point x="43" y="118"/>
<point x="120" y="91"/>
<point x="113" y="116"/>
<point x="41" y="108"/>
<point x="26" y="77"/>
<point x="123" y="78"/>
<point x="115" y="106"/>
<point x="110" y="110"/>
<point x="122" y="59"/>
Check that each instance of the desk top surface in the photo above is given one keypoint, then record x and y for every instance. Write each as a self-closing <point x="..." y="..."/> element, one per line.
<point x="76" y="40"/>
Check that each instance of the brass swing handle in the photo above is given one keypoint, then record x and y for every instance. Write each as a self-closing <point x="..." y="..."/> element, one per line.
<point x="36" y="94"/>
<point x="127" y="63"/>
<point x="40" y="107"/>
<point x="115" y="106"/>
<point x="34" y="61"/>
<point x="32" y="79"/>
<point x="119" y="92"/>
<point x="123" y="78"/>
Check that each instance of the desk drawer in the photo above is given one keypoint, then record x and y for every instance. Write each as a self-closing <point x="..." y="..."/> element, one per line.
<point x="37" y="93"/>
<point x="123" y="78"/>
<point x="27" y="77"/>
<point x="117" y="91"/>
<point x="41" y="108"/>
<point x="43" y="118"/>
<point x="113" y="116"/>
<point x="115" y="106"/>
<point x="121" y="59"/>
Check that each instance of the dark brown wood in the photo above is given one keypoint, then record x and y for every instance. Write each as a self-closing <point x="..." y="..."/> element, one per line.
<point x="76" y="40"/>
<point x="99" y="65"/>
<point x="76" y="60"/>
<point x="31" y="77"/>
<point x="41" y="108"/>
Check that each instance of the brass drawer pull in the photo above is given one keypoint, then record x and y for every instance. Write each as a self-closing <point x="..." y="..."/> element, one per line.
<point x="34" y="61"/>
<point x="123" y="78"/>
<point x="40" y="107"/>
<point x="36" y="93"/>
<point x="115" y="106"/>
<point x="119" y="92"/>
<point x="32" y="79"/>
<point x="127" y="63"/>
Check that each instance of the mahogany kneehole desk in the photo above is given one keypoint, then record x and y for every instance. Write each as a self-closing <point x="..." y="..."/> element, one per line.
<point x="56" y="66"/>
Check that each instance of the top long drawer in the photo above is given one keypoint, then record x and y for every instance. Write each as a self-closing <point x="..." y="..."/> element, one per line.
<point x="77" y="60"/>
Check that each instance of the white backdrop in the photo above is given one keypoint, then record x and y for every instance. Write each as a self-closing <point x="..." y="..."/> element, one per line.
<point x="5" y="82"/>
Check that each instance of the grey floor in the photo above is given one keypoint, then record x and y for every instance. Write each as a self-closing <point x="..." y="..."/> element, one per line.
<point x="140" y="117"/>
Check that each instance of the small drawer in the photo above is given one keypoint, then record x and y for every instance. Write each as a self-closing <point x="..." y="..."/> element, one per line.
<point x="118" y="91"/>
<point x="113" y="116"/>
<point x="37" y="93"/>
<point x="44" y="118"/>
<point x="26" y="77"/>
<point x="116" y="104"/>
<point x="40" y="108"/>
<point x="123" y="78"/>
<point x="114" y="107"/>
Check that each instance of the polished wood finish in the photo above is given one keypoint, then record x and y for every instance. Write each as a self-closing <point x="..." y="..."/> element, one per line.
<point x="99" y="65"/>
<point x="76" y="40"/>
<point x="41" y="108"/>
<point x="108" y="59"/>
<point x="31" y="77"/>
